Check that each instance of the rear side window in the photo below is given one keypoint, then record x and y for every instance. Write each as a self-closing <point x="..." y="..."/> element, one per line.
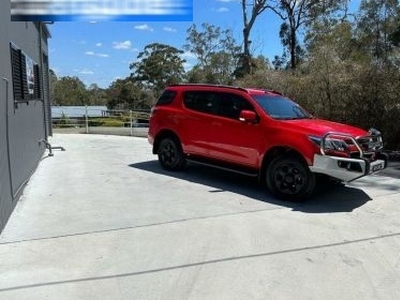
<point x="222" y="104"/>
<point x="166" y="97"/>
<point x="205" y="102"/>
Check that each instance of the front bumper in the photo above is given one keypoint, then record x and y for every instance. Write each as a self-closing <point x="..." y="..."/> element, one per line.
<point x="347" y="169"/>
<point x="365" y="159"/>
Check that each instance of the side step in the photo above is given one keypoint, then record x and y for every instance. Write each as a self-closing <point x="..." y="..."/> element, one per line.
<point x="223" y="166"/>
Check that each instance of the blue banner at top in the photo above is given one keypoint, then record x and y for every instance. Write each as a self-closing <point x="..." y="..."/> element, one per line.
<point x="102" y="10"/>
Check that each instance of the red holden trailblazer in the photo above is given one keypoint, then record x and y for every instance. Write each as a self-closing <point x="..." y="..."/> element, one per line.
<point x="259" y="133"/>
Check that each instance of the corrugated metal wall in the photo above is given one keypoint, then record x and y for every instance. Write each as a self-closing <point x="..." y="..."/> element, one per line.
<point x="5" y="68"/>
<point x="22" y="126"/>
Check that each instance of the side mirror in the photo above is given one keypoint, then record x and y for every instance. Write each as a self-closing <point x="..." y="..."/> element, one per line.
<point x="248" y="116"/>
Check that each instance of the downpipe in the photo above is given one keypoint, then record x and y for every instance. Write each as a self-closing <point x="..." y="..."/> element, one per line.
<point x="8" y="140"/>
<point x="45" y="140"/>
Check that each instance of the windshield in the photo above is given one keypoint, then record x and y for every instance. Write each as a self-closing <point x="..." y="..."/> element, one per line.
<point x="281" y="108"/>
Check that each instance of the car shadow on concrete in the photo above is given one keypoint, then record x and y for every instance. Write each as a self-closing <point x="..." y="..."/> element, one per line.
<point x="327" y="198"/>
<point x="392" y="170"/>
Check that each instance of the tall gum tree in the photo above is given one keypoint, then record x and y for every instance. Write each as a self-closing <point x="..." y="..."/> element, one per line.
<point x="216" y="52"/>
<point x="157" y="66"/>
<point x="297" y="13"/>
<point x="257" y="7"/>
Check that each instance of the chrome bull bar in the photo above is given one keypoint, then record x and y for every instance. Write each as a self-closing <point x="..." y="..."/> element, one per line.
<point x="346" y="168"/>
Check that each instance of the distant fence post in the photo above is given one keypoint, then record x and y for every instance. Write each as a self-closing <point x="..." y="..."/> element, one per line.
<point x="87" y="119"/>
<point x="131" y="117"/>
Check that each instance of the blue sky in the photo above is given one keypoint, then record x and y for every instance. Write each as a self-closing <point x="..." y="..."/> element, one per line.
<point x="100" y="52"/>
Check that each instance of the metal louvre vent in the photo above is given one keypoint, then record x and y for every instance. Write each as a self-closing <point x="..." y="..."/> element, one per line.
<point x="46" y="95"/>
<point x="24" y="80"/>
<point x="22" y="68"/>
<point x="16" y="73"/>
<point x="37" y="89"/>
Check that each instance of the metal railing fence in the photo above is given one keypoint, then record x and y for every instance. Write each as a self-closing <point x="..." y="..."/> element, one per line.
<point x="93" y="120"/>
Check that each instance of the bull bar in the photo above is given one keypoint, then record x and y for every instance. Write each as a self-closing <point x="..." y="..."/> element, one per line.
<point x="349" y="168"/>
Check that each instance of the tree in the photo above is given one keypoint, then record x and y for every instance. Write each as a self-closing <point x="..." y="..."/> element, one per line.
<point x="157" y="66"/>
<point x="70" y="91"/>
<point x="295" y="14"/>
<point x="125" y="94"/>
<point x="258" y="6"/>
<point x="216" y="52"/>
<point x="331" y="67"/>
<point x="378" y="27"/>
<point x="52" y="83"/>
<point x="96" y="95"/>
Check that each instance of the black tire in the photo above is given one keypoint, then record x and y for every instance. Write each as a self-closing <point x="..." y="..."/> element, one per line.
<point x="289" y="178"/>
<point x="170" y="154"/>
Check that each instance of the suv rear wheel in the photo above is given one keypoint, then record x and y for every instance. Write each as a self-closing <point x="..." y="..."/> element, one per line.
<point x="170" y="154"/>
<point x="289" y="178"/>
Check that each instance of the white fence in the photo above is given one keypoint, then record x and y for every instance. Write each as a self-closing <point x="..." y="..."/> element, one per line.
<point x="99" y="120"/>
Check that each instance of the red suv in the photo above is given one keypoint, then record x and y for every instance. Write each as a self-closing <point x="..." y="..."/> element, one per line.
<point x="259" y="133"/>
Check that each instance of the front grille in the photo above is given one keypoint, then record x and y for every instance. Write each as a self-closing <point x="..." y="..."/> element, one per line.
<point x="366" y="147"/>
<point x="368" y="155"/>
<point x="370" y="143"/>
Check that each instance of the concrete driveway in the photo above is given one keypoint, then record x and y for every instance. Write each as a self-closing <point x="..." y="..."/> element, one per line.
<point x="103" y="221"/>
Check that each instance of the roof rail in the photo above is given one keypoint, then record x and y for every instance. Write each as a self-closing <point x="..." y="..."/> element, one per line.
<point x="275" y="92"/>
<point x="210" y="85"/>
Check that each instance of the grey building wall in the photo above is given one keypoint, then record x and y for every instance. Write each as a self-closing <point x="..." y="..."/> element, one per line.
<point x="22" y="125"/>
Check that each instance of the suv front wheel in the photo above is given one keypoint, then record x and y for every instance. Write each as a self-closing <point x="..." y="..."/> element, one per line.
<point x="289" y="178"/>
<point x="170" y="154"/>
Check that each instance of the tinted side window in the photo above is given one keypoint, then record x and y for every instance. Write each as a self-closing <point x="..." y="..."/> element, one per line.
<point x="230" y="105"/>
<point x="201" y="101"/>
<point x="166" y="97"/>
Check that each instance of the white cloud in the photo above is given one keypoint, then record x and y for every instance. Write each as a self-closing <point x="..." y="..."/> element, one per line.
<point x="169" y="29"/>
<point x="188" y="55"/>
<point x="86" y="72"/>
<point x="190" y="58"/>
<point x="91" y="53"/>
<point x="56" y="70"/>
<point x="125" y="45"/>
<point x="222" y="9"/>
<point x="187" y="66"/>
<point x="99" y="44"/>
<point x="144" y="27"/>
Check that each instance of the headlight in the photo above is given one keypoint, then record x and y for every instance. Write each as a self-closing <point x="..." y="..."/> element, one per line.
<point x="335" y="144"/>
<point x="331" y="143"/>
